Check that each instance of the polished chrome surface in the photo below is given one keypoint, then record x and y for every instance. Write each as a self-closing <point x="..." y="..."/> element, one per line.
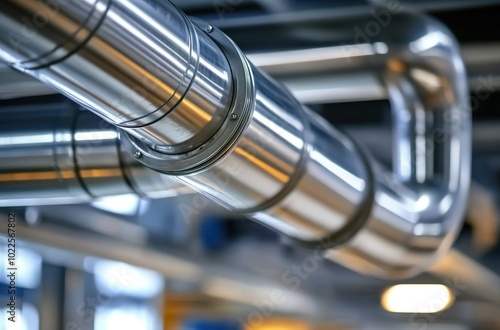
<point x="282" y="163"/>
<point x="140" y="65"/>
<point x="418" y="208"/>
<point x="56" y="154"/>
<point x="231" y="128"/>
<point x="333" y="186"/>
<point x="289" y="169"/>
<point x="285" y="166"/>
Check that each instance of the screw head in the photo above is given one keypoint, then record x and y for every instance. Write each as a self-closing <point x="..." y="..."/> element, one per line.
<point x="137" y="154"/>
<point x="234" y="116"/>
<point x="209" y="29"/>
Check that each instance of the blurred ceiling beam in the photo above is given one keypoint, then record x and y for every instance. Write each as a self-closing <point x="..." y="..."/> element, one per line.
<point x="69" y="248"/>
<point x="465" y="276"/>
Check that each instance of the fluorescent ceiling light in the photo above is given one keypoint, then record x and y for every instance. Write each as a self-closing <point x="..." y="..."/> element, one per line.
<point x="417" y="298"/>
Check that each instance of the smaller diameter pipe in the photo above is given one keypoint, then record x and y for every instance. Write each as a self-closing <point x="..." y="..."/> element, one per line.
<point x="55" y="154"/>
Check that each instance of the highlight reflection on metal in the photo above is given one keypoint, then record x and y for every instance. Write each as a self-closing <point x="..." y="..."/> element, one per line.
<point x="283" y="166"/>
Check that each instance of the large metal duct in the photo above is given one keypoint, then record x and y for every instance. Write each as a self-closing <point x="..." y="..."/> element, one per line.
<point x="193" y="107"/>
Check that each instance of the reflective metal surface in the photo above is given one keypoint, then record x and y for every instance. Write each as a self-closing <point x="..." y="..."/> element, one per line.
<point x="37" y="163"/>
<point x="287" y="168"/>
<point x="420" y="207"/>
<point x="56" y="154"/>
<point x="14" y="84"/>
<point x="310" y="78"/>
<point x="292" y="173"/>
<point x="140" y="65"/>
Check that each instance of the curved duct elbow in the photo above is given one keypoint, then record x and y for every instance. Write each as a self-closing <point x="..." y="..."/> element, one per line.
<point x="420" y="206"/>
<point x="241" y="139"/>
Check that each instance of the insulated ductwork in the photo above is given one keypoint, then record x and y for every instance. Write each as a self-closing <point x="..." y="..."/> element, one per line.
<point x="192" y="106"/>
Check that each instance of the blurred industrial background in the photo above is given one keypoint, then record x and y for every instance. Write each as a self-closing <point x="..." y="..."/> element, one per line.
<point x="134" y="263"/>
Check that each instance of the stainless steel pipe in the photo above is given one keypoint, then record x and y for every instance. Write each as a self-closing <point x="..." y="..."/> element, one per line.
<point x="140" y="65"/>
<point x="277" y="162"/>
<point x="417" y="209"/>
<point x="53" y="153"/>
<point x="420" y="205"/>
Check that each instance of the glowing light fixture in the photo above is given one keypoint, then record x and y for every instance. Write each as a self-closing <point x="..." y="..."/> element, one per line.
<point x="115" y="278"/>
<point x="277" y="324"/>
<point x="417" y="298"/>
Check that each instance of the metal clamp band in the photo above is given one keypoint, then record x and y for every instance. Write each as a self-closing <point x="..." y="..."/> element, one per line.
<point x="358" y="219"/>
<point x="96" y="16"/>
<point x="182" y="89"/>
<point x="230" y="131"/>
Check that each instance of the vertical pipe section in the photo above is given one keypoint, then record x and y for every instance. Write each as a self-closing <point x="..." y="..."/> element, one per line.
<point x="420" y="205"/>
<point x="140" y="65"/>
